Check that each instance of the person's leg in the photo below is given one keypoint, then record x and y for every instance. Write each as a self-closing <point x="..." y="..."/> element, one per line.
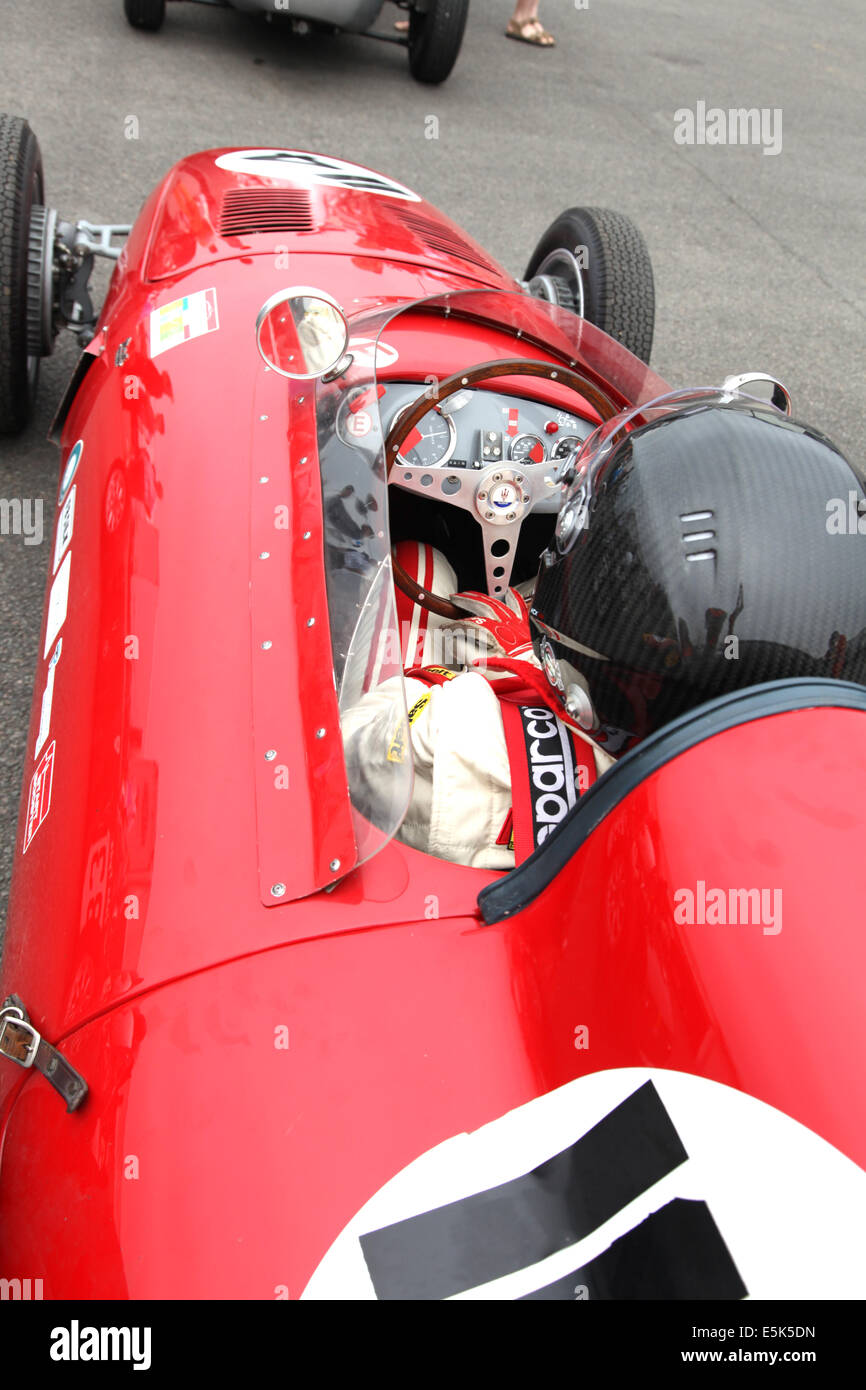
<point x="525" y="11"/>
<point x="525" y="25"/>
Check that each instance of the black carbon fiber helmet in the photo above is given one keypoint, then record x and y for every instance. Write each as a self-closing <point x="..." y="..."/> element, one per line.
<point x="715" y="544"/>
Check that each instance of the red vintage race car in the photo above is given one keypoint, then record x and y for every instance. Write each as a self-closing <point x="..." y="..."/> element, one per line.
<point x="252" y="1044"/>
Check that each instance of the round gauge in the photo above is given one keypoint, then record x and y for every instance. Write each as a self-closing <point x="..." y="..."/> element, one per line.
<point x="568" y="444"/>
<point x="527" y="448"/>
<point x="432" y="441"/>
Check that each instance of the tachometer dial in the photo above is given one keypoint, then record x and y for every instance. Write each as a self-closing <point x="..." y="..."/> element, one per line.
<point x="568" y="444"/>
<point x="527" y="448"/>
<point x="432" y="441"/>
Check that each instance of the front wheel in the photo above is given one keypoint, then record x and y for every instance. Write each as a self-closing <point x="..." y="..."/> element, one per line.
<point x="144" y="14"/>
<point x="598" y="259"/>
<point x="21" y="200"/>
<point x="435" y="37"/>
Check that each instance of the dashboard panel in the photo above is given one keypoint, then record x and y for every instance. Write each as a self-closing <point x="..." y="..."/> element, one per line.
<point x="474" y="429"/>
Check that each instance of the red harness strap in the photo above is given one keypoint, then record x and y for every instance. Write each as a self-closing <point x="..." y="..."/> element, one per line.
<point x="550" y="768"/>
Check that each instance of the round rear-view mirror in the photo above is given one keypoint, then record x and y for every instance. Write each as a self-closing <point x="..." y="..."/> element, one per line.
<point x="301" y="333"/>
<point x="763" y="387"/>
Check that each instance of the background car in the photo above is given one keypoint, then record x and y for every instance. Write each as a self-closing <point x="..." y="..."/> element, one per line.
<point x="433" y="40"/>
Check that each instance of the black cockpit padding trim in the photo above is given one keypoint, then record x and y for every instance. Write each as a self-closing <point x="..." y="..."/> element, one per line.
<point x="82" y="367"/>
<point x="516" y="890"/>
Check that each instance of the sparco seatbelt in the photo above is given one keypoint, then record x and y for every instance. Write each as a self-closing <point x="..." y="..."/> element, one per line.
<point x="550" y="769"/>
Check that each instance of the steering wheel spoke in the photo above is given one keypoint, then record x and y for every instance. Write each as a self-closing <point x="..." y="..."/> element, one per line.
<point x="446" y="485"/>
<point x="500" y="548"/>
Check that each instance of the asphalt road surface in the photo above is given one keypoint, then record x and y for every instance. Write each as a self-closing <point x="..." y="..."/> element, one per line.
<point x="758" y="256"/>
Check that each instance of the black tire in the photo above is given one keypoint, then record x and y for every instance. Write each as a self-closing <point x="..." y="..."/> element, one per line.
<point x="145" y="14"/>
<point x="435" y="38"/>
<point x="21" y="189"/>
<point x="609" y="254"/>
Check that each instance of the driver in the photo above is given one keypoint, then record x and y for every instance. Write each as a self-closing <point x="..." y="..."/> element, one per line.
<point x="693" y="555"/>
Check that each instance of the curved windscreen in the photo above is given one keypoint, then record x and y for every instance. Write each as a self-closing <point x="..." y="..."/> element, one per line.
<point x="361" y="603"/>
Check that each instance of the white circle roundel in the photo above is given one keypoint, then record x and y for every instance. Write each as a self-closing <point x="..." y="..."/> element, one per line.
<point x="70" y="470"/>
<point x="359" y="424"/>
<point x="300" y="166"/>
<point x="368" y="353"/>
<point x="624" y="1184"/>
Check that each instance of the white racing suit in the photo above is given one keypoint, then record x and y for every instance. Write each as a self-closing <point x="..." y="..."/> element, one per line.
<point x="495" y="769"/>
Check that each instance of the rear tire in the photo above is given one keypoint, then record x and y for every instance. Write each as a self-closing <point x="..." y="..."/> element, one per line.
<point x="145" y="14"/>
<point x="435" y="38"/>
<point x="609" y="254"/>
<point x="21" y="189"/>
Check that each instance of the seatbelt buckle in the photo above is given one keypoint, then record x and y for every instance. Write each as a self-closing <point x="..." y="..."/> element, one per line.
<point x="19" y="1040"/>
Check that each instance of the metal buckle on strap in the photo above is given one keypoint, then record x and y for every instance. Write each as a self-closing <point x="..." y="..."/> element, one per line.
<point x="19" y="1040"/>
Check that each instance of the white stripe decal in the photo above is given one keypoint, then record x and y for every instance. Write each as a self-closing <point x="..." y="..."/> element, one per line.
<point x="414" y="658"/>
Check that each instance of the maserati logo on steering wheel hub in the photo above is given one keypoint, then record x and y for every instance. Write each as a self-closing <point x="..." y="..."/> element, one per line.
<point x="504" y="496"/>
<point x="499" y="497"/>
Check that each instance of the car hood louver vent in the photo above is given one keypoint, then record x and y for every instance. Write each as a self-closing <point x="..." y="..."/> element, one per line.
<point x="248" y="211"/>
<point x="440" y="239"/>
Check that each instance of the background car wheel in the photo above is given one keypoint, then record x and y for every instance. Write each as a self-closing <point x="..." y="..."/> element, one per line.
<point x="144" y="14"/>
<point x="21" y="198"/>
<point x="435" y="38"/>
<point x="603" y="255"/>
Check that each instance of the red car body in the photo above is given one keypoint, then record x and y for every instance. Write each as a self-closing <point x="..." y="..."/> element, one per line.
<point x="260" y="1067"/>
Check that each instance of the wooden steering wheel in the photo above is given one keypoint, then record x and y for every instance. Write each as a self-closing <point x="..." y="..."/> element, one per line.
<point x="499" y="496"/>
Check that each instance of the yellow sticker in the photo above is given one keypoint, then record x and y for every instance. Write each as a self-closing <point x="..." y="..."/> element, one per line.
<point x="182" y="320"/>
<point x="441" y="671"/>
<point x="418" y="707"/>
<point x="397" y="746"/>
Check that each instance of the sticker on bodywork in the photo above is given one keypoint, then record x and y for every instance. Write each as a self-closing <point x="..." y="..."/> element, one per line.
<point x="65" y="523"/>
<point x="58" y="604"/>
<point x="39" y="796"/>
<point x="183" y="319"/>
<point x="633" y="1183"/>
<point x="70" y="470"/>
<point x="299" y="166"/>
<point x="359" y="425"/>
<point x="47" y="700"/>
<point x="367" y="354"/>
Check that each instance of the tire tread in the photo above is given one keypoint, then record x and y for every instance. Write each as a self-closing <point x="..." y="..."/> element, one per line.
<point x="618" y="282"/>
<point x="19" y="158"/>
<point x="433" y="55"/>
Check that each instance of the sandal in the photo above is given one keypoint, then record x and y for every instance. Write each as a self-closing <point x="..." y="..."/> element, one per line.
<point x="530" y="31"/>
